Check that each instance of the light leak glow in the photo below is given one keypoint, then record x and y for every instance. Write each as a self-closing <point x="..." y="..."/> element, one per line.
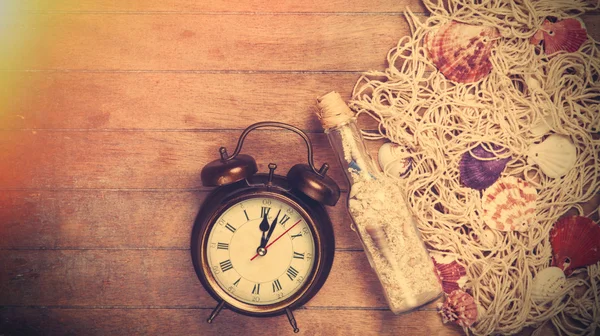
<point x="15" y="40"/>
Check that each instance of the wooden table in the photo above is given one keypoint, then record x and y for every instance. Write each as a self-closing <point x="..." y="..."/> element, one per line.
<point x="108" y="112"/>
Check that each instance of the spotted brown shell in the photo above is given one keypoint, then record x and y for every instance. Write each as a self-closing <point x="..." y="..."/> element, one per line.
<point x="461" y="51"/>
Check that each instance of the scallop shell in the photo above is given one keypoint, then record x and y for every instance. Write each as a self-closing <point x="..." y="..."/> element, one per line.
<point x="547" y="284"/>
<point x="461" y="51"/>
<point x="452" y="275"/>
<point x="480" y="174"/>
<point x="487" y="238"/>
<point x="575" y="243"/>
<point x="460" y="308"/>
<point x="566" y="35"/>
<point x="555" y="156"/>
<point x="509" y="204"/>
<point x="542" y="127"/>
<point x="394" y="159"/>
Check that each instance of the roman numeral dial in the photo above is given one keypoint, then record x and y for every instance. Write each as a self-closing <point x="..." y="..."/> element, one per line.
<point x="226" y="265"/>
<point x="284" y="266"/>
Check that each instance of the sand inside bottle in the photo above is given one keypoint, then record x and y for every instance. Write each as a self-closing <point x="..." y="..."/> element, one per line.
<point x="381" y="215"/>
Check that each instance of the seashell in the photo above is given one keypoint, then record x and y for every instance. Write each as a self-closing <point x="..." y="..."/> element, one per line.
<point x="555" y="156"/>
<point x="452" y="275"/>
<point x="542" y="127"/>
<point x="487" y="238"/>
<point x="461" y="51"/>
<point x="565" y="35"/>
<point x="547" y="284"/>
<point x="355" y="189"/>
<point x="460" y="308"/>
<point x="394" y="159"/>
<point x="575" y="243"/>
<point x="480" y="174"/>
<point x="509" y="204"/>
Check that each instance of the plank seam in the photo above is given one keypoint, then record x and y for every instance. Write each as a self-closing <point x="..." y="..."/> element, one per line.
<point x="150" y="130"/>
<point x="203" y="190"/>
<point x="69" y="248"/>
<point x="191" y="71"/>
<point x="107" y="307"/>
<point x="213" y="13"/>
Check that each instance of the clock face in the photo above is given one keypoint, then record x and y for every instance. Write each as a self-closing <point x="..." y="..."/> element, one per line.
<point x="252" y="268"/>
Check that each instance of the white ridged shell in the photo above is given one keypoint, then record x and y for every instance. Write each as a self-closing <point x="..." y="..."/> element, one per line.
<point x="547" y="284"/>
<point x="555" y="156"/>
<point x="394" y="159"/>
<point x="542" y="127"/>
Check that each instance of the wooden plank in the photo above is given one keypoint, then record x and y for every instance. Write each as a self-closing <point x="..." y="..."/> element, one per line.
<point x="234" y="42"/>
<point x="237" y="42"/>
<point x="116" y="219"/>
<point x="74" y="159"/>
<point x="167" y="100"/>
<point x="135" y="100"/>
<point x="21" y="321"/>
<point x="221" y="6"/>
<point x="153" y="278"/>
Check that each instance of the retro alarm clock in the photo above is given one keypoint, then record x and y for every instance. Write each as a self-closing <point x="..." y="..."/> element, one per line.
<point x="263" y="244"/>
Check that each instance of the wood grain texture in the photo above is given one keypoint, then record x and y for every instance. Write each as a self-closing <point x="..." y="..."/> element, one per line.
<point x="234" y="42"/>
<point x="109" y="110"/>
<point x="187" y="100"/>
<point x="57" y="159"/>
<point x="313" y="322"/>
<point x="116" y="219"/>
<point x="101" y="100"/>
<point x="148" y="278"/>
<point x="221" y="6"/>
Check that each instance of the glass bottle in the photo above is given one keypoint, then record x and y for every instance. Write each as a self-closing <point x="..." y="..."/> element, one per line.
<point x="381" y="215"/>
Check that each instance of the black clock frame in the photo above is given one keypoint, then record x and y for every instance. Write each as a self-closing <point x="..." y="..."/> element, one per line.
<point x="266" y="185"/>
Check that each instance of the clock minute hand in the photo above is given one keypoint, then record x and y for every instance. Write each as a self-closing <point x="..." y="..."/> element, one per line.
<point x="276" y="239"/>
<point x="271" y="229"/>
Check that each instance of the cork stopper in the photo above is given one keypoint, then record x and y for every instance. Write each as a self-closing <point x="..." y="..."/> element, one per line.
<point x="333" y="110"/>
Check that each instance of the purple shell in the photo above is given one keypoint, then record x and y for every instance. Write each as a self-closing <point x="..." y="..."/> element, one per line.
<point x="480" y="174"/>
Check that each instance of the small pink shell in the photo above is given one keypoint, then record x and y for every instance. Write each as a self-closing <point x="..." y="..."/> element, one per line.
<point x="461" y="51"/>
<point x="460" y="308"/>
<point x="566" y="35"/>
<point x="509" y="204"/>
<point x="452" y="275"/>
<point x="575" y="243"/>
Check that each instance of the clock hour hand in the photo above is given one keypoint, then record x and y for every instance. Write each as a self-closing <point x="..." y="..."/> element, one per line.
<point x="264" y="227"/>
<point x="271" y="229"/>
<point x="262" y="251"/>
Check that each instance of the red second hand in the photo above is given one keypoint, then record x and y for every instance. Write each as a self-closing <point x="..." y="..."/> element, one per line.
<point x="276" y="239"/>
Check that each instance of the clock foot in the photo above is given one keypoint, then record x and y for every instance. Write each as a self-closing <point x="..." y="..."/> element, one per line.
<point x="215" y="312"/>
<point x="292" y="320"/>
